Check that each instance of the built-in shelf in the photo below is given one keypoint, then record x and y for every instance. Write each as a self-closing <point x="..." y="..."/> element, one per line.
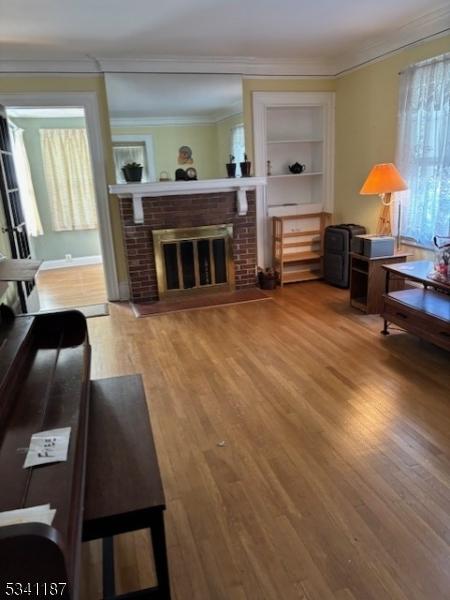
<point x="289" y="128"/>
<point x="294" y="141"/>
<point x="283" y="175"/>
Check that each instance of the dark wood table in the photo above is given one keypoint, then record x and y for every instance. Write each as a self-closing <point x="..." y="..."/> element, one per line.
<point x="417" y="270"/>
<point x="424" y="311"/>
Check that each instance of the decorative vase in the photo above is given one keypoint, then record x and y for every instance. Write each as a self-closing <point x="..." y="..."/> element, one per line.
<point x="231" y="169"/>
<point x="246" y="168"/>
<point x="132" y="174"/>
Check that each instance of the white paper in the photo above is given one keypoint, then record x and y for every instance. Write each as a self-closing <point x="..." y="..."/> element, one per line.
<point x="34" y="514"/>
<point x="48" y="447"/>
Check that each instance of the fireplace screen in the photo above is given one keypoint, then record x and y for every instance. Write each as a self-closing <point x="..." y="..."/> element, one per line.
<point x="193" y="259"/>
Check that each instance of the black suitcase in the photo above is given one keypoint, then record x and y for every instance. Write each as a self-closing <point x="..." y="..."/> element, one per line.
<point x="336" y="261"/>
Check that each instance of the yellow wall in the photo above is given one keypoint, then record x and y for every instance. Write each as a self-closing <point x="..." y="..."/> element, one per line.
<point x="167" y="139"/>
<point x="366" y="128"/>
<point x="276" y="85"/>
<point x="95" y="84"/>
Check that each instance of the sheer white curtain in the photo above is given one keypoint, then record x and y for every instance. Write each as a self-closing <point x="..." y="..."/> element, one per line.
<point x="237" y="145"/>
<point x="26" y="188"/>
<point x="68" y="174"/>
<point x="423" y="152"/>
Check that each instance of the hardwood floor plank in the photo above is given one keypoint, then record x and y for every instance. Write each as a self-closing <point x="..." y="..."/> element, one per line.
<point x="303" y="455"/>
<point x="71" y="286"/>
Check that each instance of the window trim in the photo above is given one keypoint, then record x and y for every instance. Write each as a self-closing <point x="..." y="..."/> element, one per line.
<point x="147" y="140"/>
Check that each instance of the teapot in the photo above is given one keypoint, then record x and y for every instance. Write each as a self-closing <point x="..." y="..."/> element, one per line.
<point x="296" y="168"/>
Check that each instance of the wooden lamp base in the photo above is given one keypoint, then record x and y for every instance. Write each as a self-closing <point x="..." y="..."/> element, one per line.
<point x="384" y="226"/>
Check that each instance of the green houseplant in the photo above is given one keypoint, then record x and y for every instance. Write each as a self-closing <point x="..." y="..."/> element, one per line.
<point x="132" y="172"/>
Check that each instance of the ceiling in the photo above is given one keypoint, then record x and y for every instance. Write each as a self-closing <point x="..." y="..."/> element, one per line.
<point x="191" y="97"/>
<point x="99" y="32"/>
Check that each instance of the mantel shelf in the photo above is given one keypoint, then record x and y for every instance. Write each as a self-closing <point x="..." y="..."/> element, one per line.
<point x="139" y="191"/>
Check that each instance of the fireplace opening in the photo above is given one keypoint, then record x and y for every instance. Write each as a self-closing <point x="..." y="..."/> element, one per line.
<point x="193" y="259"/>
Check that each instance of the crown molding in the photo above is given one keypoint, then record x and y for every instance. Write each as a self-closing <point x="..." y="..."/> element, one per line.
<point x="159" y="121"/>
<point x="165" y="121"/>
<point x="430" y="25"/>
<point x="239" y="65"/>
<point x="69" y="66"/>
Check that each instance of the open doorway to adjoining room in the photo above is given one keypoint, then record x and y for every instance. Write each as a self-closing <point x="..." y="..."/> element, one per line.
<point x="56" y="183"/>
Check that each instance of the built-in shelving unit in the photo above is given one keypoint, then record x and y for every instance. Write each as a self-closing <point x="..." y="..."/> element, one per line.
<point x="292" y="127"/>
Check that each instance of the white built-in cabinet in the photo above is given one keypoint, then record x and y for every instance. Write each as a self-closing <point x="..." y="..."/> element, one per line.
<point x="290" y="127"/>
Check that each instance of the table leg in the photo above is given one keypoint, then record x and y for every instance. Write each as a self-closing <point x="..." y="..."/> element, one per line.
<point x="387" y="282"/>
<point x="109" y="586"/>
<point x="160" y="555"/>
<point x="386" y="289"/>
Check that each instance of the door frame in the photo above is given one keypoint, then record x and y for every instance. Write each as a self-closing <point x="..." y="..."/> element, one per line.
<point x="89" y="102"/>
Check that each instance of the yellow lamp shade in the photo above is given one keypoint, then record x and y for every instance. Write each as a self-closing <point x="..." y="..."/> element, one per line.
<point x="383" y="179"/>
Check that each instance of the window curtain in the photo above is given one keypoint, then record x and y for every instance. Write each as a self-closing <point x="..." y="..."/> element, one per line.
<point x="129" y="154"/>
<point x="237" y="145"/>
<point x="68" y="174"/>
<point x="26" y="188"/>
<point x="423" y="153"/>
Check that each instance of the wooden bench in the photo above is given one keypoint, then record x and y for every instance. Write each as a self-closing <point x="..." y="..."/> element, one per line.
<point x="123" y="483"/>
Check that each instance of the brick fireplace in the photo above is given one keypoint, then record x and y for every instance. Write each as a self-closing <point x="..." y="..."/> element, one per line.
<point x="186" y="211"/>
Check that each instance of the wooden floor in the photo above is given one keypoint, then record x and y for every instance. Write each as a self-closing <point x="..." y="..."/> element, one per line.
<point x="333" y="481"/>
<point x="72" y="286"/>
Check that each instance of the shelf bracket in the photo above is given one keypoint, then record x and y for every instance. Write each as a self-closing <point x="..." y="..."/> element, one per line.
<point x="242" y="204"/>
<point x="138" y="210"/>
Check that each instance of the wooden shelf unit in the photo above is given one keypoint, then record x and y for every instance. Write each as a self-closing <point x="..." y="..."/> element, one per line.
<point x="368" y="280"/>
<point x="294" y="257"/>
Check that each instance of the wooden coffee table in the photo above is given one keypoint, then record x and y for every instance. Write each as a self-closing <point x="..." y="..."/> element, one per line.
<point x="423" y="311"/>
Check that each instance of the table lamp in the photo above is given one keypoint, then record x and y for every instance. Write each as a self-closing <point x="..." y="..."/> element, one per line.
<point x="384" y="179"/>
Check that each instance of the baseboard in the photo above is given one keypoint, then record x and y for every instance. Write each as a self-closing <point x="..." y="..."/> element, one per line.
<point x="75" y="262"/>
<point x="124" y="290"/>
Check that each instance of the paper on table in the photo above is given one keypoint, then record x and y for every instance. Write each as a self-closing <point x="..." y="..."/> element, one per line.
<point x="34" y="514"/>
<point x="48" y="447"/>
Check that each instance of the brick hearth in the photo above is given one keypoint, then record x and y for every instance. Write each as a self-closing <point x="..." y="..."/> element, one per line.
<point x="170" y="212"/>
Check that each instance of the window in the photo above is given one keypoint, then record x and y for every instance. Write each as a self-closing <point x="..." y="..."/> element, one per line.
<point x="128" y="153"/>
<point x="423" y="154"/>
<point x="134" y="148"/>
<point x="237" y="145"/>
<point x="68" y="174"/>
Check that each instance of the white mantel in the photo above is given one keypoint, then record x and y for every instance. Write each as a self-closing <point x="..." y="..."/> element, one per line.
<point x="138" y="191"/>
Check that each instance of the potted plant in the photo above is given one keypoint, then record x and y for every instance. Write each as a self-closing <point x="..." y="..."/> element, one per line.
<point x="231" y="167"/>
<point x="245" y="167"/>
<point x="132" y="172"/>
<point x="267" y="279"/>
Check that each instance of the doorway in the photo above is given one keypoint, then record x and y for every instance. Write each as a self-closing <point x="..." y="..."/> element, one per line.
<point x="96" y="138"/>
<point x="56" y="182"/>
